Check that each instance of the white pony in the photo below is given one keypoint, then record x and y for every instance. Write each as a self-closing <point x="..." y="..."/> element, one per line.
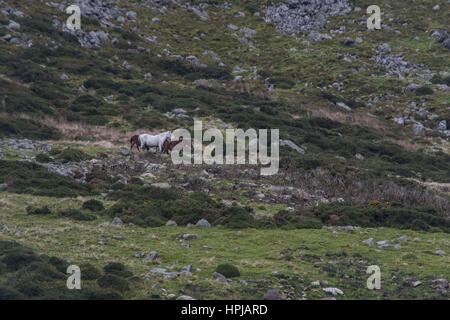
<point x="147" y="140"/>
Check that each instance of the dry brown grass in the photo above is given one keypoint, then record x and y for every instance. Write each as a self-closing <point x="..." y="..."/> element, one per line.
<point x="82" y="131"/>
<point x="85" y="133"/>
<point x="435" y="195"/>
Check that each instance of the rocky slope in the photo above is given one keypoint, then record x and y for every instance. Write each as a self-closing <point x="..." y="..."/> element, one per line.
<point x="364" y="152"/>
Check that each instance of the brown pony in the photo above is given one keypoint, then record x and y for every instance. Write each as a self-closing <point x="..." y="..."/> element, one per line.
<point x="169" y="145"/>
<point x="134" y="141"/>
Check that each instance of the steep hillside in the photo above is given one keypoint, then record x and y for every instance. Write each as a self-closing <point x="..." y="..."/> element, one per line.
<point x="364" y="120"/>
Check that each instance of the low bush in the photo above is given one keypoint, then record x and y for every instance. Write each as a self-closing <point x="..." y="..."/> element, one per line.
<point x="27" y="275"/>
<point x="26" y="128"/>
<point x="422" y="91"/>
<point x="31" y="178"/>
<point x="93" y="205"/>
<point x="70" y="155"/>
<point x="76" y="214"/>
<point x="228" y="270"/>
<point x="111" y="281"/>
<point x="118" y="269"/>
<point x="38" y="211"/>
<point x="90" y="272"/>
<point x="43" y="158"/>
<point x="296" y="220"/>
<point x="390" y="215"/>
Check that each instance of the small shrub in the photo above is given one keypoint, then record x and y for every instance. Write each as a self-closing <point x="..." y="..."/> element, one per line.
<point x="10" y="294"/>
<point x="59" y="264"/>
<point x="26" y="128"/>
<point x="18" y="259"/>
<point x="76" y="214"/>
<point x="31" y="178"/>
<point x="422" y="91"/>
<point x="90" y="272"/>
<point x="43" y="158"/>
<point x="117" y="269"/>
<point x="237" y="217"/>
<point x="38" y="211"/>
<point x="296" y="220"/>
<point x="2" y="268"/>
<point x="228" y="270"/>
<point x="112" y="281"/>
<point x="93" y="205"/>
<point x="70" y="155"/>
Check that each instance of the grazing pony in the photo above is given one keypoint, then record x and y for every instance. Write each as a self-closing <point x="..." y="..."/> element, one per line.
<point x="134" y="141"/>
<point x="147" y="140"/>
<point x="168" y="145"/>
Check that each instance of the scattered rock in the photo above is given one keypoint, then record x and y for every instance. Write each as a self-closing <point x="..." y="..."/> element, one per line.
<point x="232" y="27"/>
<point x="349" y="42"/>
<point x="315" y="36"/>
<point x="272" y="294"/>
<point x="292" y="145"/>
<point x="440" y="283"/>
<point x="439" y="253"/>
<point x="200" y="13"/>
<point x="418" y="129"/>
<point x="125" y="152"/>
<point x="399" y="120"/>
<point x="298" y="16"/>
<point x="171" y="223"/>
<point x="12" y="25"/>
<point x="152" y="39"/>
<point x="369" y="242"/>
<point x="343" y="106"/>
<point x="117" y="221"/>
<point x="203" y="223"/>
<point x="402" y="239"/>
<point x="416" y="283"/>
<point x="385" y="48"/>
<point x="185" y="297"/>
<point x="162" y="272"/>
<point x="220" y="278"/>
<point x="442" y="125"/>
<point x="383" y="244"/>
<point x="333" y="291"/>
<point x="151" y="256"/>
<point x="397" y="66"/>
<point x="187" y="268"/>
<point x="131" y="15"/>
<point x="64" y="77"/>
<point x="148" y="76"/>
<point x="188" y="236"/>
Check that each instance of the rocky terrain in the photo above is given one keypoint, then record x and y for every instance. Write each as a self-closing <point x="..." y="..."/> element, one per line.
<point x="364" y="173"/>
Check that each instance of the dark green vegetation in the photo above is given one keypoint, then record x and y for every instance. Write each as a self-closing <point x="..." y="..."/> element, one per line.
<point x="69" y="155"/>
<point x="27" y="275"/>
<point x="26" y="128"/>
<point x="228" y="270"/>
<point x="25" y="177"/>
<point x="93" y="205"/>
<point x="38" y="211"/>
<point x="76" y="214"/>
<point x="149" y="206"/>
<point x="383" y="215"/>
